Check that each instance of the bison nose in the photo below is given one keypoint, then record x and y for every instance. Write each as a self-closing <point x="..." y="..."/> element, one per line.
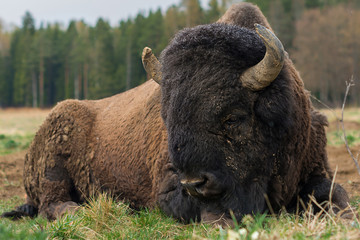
<point x="193" y="186"/>
<point x="206" y="186"/>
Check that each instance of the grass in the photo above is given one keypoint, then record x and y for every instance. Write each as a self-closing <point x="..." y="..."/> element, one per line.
<point x="336" y="138"/>
<point x="102" y="218"/>
<point x="105" y="219"/>
<point x="350" y="114"/>
<point x="14" y="143"/>
<point x="335" y="134"/>
<point x="18" y="127"/>
<point x="23" y="229"/>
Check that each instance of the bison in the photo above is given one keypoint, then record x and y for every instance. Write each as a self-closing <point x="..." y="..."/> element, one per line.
<point x="225" y="127"/>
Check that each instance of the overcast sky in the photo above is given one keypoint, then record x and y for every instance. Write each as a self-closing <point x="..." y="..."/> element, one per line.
<point x="12" y="11"/>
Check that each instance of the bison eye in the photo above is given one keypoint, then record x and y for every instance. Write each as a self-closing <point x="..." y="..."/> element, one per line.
<point x="234" y="119"/>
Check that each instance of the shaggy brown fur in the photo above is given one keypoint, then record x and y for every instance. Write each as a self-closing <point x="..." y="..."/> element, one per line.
<point x="121" y="145"/>
<point x="73" y="155"/>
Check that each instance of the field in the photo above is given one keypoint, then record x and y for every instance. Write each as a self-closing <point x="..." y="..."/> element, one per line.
<point x="103" y="218"/>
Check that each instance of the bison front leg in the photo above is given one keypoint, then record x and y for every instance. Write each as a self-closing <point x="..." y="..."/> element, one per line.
<point x="50" y="188"/>
<point x="56" y="198"/>
<point x="50" y="192"/>
<point x="174" y="200"/>
<point x="56" y="173"/>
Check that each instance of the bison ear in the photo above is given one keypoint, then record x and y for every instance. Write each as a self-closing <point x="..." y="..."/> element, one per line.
<point x="244" y="15"/>
<point x="152" y="65"/>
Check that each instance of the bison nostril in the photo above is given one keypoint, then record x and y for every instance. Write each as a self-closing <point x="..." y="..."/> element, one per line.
<point x="193" y="185"/>
<point x="206" y="186"/>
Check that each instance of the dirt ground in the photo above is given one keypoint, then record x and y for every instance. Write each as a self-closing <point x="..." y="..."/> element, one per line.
<point x="346" y="174"/>
<point x="11" y="169"/>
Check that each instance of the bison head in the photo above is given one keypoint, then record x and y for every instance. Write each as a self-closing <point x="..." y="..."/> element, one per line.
<point x="230" y="109"/>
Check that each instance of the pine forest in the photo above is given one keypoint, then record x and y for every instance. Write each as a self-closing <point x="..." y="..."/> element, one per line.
<point x="40" y="66"/>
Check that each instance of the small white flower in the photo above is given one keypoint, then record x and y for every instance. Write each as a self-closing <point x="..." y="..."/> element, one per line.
<point x="255" y="235"/>
<point x="232" y="235"/>
<point x="242" y="231"/>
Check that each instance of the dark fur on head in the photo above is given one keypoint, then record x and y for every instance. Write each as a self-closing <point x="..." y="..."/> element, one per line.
<point x="211" y="50"/>
<point x="200" y="89"/>
<point x="269" y="148"/>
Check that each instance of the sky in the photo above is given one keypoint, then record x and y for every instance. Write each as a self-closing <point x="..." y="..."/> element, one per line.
<point x="12" y="11"/>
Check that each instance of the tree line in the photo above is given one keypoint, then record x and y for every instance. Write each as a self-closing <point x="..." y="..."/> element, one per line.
<point x="41" y="66"/>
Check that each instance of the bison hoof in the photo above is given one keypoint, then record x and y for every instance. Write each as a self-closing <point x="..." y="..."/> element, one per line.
<point x="25" y="210"/>
<point x="69" y="207"/>
<point x="58" y="209"/>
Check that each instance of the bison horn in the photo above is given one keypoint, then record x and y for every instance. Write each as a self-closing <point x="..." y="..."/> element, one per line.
<point x="262" y="74"/>
<point x="151" y="64"/>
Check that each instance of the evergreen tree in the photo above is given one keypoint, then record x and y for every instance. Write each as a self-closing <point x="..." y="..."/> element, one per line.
<point x="214" y="12"/>
<point x="23" y="77"/>
<point x="122" y="40"/>
<point x="194" y="12"/>
<point x="102" y="77"/>
<point x="53" y="53"/>
<point x="39" y="67"/>
<point x="326" y="52"/>
<point x="5" y="84"/>
<point x="174" y="21"/>
<point x="69" y="42"/>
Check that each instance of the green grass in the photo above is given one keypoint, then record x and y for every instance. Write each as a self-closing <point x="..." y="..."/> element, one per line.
<point x="23" y="229"/>
<point x="14" y="143"/>
<point x="336" y="138"/>
<point x="105" y="219"/>
<point x="18" y="127"/>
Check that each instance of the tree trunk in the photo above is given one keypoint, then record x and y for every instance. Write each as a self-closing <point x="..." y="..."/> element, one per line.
<point x="41" y="82"/>
<point x="85" y="80"/>
<point x="66" y="92"/>
<point x="76" y="86"/>
<point x="128" y="65"/>
<point x="79" y="82"/>
<point x="34" y="90"/>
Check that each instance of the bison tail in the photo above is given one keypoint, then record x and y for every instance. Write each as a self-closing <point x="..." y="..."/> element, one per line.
<point x="25" y="210"/>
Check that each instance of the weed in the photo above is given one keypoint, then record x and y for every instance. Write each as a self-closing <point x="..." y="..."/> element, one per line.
<point x="350" y="139"/>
